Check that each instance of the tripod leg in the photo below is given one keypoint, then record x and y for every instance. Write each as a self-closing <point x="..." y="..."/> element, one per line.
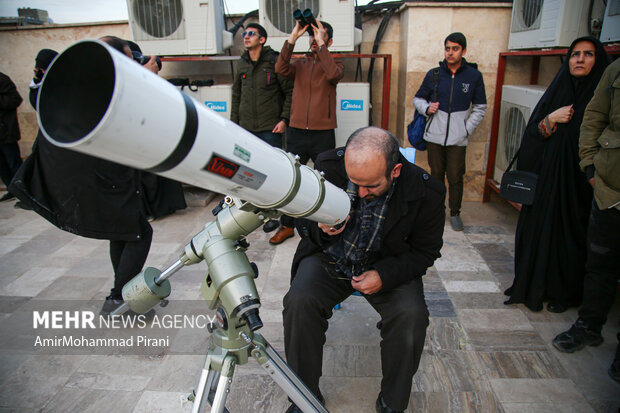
<point x="223" y="385"/>
<point x="285" y="377"/>
<point x="206" y="386"/>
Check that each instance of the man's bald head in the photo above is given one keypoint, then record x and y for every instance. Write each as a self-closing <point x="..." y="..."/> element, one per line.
<point x="371" y="161"/>
<point x="365" y="144"/>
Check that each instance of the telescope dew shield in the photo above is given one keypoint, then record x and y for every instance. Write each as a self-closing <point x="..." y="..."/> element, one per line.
<point x="97" y="101"/>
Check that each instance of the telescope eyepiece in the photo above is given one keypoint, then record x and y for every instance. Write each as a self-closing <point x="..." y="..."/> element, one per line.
<point x="253" y="319"/>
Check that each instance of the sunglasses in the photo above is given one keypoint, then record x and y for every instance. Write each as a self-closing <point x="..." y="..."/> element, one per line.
<point x="249" y="33"/>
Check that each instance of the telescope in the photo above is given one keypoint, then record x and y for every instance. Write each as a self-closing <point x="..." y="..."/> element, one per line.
<point x="95" y="100"/>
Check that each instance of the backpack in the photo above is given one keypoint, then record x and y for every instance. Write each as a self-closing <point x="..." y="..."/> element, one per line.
<point x="417" y="127"/>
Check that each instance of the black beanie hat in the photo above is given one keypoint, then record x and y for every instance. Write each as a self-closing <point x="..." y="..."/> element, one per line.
<point x="44" y="58"/>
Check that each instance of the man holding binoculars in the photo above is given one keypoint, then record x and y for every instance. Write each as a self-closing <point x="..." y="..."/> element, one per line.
<point x="313" y="109"/>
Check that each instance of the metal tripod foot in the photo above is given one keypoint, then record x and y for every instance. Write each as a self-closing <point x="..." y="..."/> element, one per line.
<point x="217" y="374"/>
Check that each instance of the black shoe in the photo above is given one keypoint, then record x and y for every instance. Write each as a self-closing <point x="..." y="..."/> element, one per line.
<point x="555" y="308"/>
<point x="294" y="409"/>
<point x="382" y="407"/>
<point x="271" y="225"/>
<point x="21" y="205"/>
<point x="110" y="305"/>
<point x="577" y="337"/>
<point x="7" y="197"/>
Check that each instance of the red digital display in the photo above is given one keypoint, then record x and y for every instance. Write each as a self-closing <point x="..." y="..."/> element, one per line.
<point x="222" y="167"/>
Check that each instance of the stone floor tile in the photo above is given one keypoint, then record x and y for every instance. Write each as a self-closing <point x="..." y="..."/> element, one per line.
<point x="493" y="319"/>
<point x="9" y="243"/>
<point x="484" y="229"/>
<point x="519" y="364"/>
<point x="342" y="393"/>
<point x="31" y="392"/>
<point x="536" y="391"/>
<point x="256" y="394"/>
<point x="177" y="373"/>
<point x="466" y="276"/>
<point x="32" y="282"/>
<point x="92" y="401"/>
<point x="72" y="288"/>
<point x="163" y="402"/>
<point x="494" y="252"/>
<point x="460" y="256"/>
<point x="471" y="286"/>
<point x="107" y="380"/>
<point x="123" y="365"/>
<point x="464" y="300"/>
<point x="442" y="402"/>
<point x="547" y="408"/>
<point x="444" y="334"/>
<point x="449" y="371"/>
<point x="504" y="340"/>
<point x="354" y="323"/>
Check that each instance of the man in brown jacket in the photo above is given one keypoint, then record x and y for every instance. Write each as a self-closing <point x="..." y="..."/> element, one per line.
<point x="313" y="110"/>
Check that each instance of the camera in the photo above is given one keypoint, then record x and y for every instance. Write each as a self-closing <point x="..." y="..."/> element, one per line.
<point x="142" y="59"/>
<point x="304" y="18"/>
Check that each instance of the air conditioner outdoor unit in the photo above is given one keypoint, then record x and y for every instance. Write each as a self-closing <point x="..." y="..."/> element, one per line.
<point x="547" y="23"/>
<point x="276" y="16"/>
<point x="178" y="27"/>
<point x="518" y="102"/>
<point x="611" y="22"/>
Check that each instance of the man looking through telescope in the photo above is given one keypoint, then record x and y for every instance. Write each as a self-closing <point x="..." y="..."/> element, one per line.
<point x="313" y="109"/>
<point x="393" y="234"/>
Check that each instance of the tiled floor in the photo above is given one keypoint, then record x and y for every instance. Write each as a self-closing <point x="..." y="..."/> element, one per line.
<point x="480" y="355"/>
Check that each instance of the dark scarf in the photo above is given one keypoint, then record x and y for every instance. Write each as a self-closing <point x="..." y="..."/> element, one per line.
<point x="564" y="90"/>
<point x="361" y="238"/>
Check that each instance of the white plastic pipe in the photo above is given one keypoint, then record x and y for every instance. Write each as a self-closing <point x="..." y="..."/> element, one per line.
<point x="96" y="100"/>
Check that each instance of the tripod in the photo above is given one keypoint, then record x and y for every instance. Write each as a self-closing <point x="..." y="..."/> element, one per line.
<point x="230" y="289"/>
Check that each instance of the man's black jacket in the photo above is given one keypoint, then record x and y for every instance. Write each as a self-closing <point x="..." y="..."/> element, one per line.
<point x="413" y="229"/>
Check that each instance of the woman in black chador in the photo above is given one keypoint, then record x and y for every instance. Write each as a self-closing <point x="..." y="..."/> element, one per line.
<point x="550" y="242"/>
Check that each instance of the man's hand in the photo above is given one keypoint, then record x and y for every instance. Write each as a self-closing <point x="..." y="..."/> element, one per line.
<point x="280" y="127"/>
<point x="297" y="32"/>
<point x="591" y="180"/>
<point x="367" y="282"/>
<point x="331" y="230"/>
<point x="432" y="108"/>
<point x="561" y="115"/>
<point x="152" y="65"/>
<point x="319" y="34"/>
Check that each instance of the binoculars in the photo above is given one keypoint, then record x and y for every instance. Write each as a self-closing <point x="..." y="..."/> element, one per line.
<point x="305" y="18"/>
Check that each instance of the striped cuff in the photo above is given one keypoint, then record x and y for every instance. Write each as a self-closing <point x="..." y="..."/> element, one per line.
<point x="545" y="128"/>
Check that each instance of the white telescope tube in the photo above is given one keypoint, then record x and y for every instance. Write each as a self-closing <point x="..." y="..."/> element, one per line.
<point x="98" y="101"/>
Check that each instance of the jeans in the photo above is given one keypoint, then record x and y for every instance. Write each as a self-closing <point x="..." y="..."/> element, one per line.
<point x="449" y="160"/>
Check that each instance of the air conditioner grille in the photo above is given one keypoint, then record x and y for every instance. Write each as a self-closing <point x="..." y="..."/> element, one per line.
<point x="527" y="16"/>
<point x="614" y="8"/>
<point x="159" y="19"/>
<point x="280" y="12"/>
<point x="513" y="132"/>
